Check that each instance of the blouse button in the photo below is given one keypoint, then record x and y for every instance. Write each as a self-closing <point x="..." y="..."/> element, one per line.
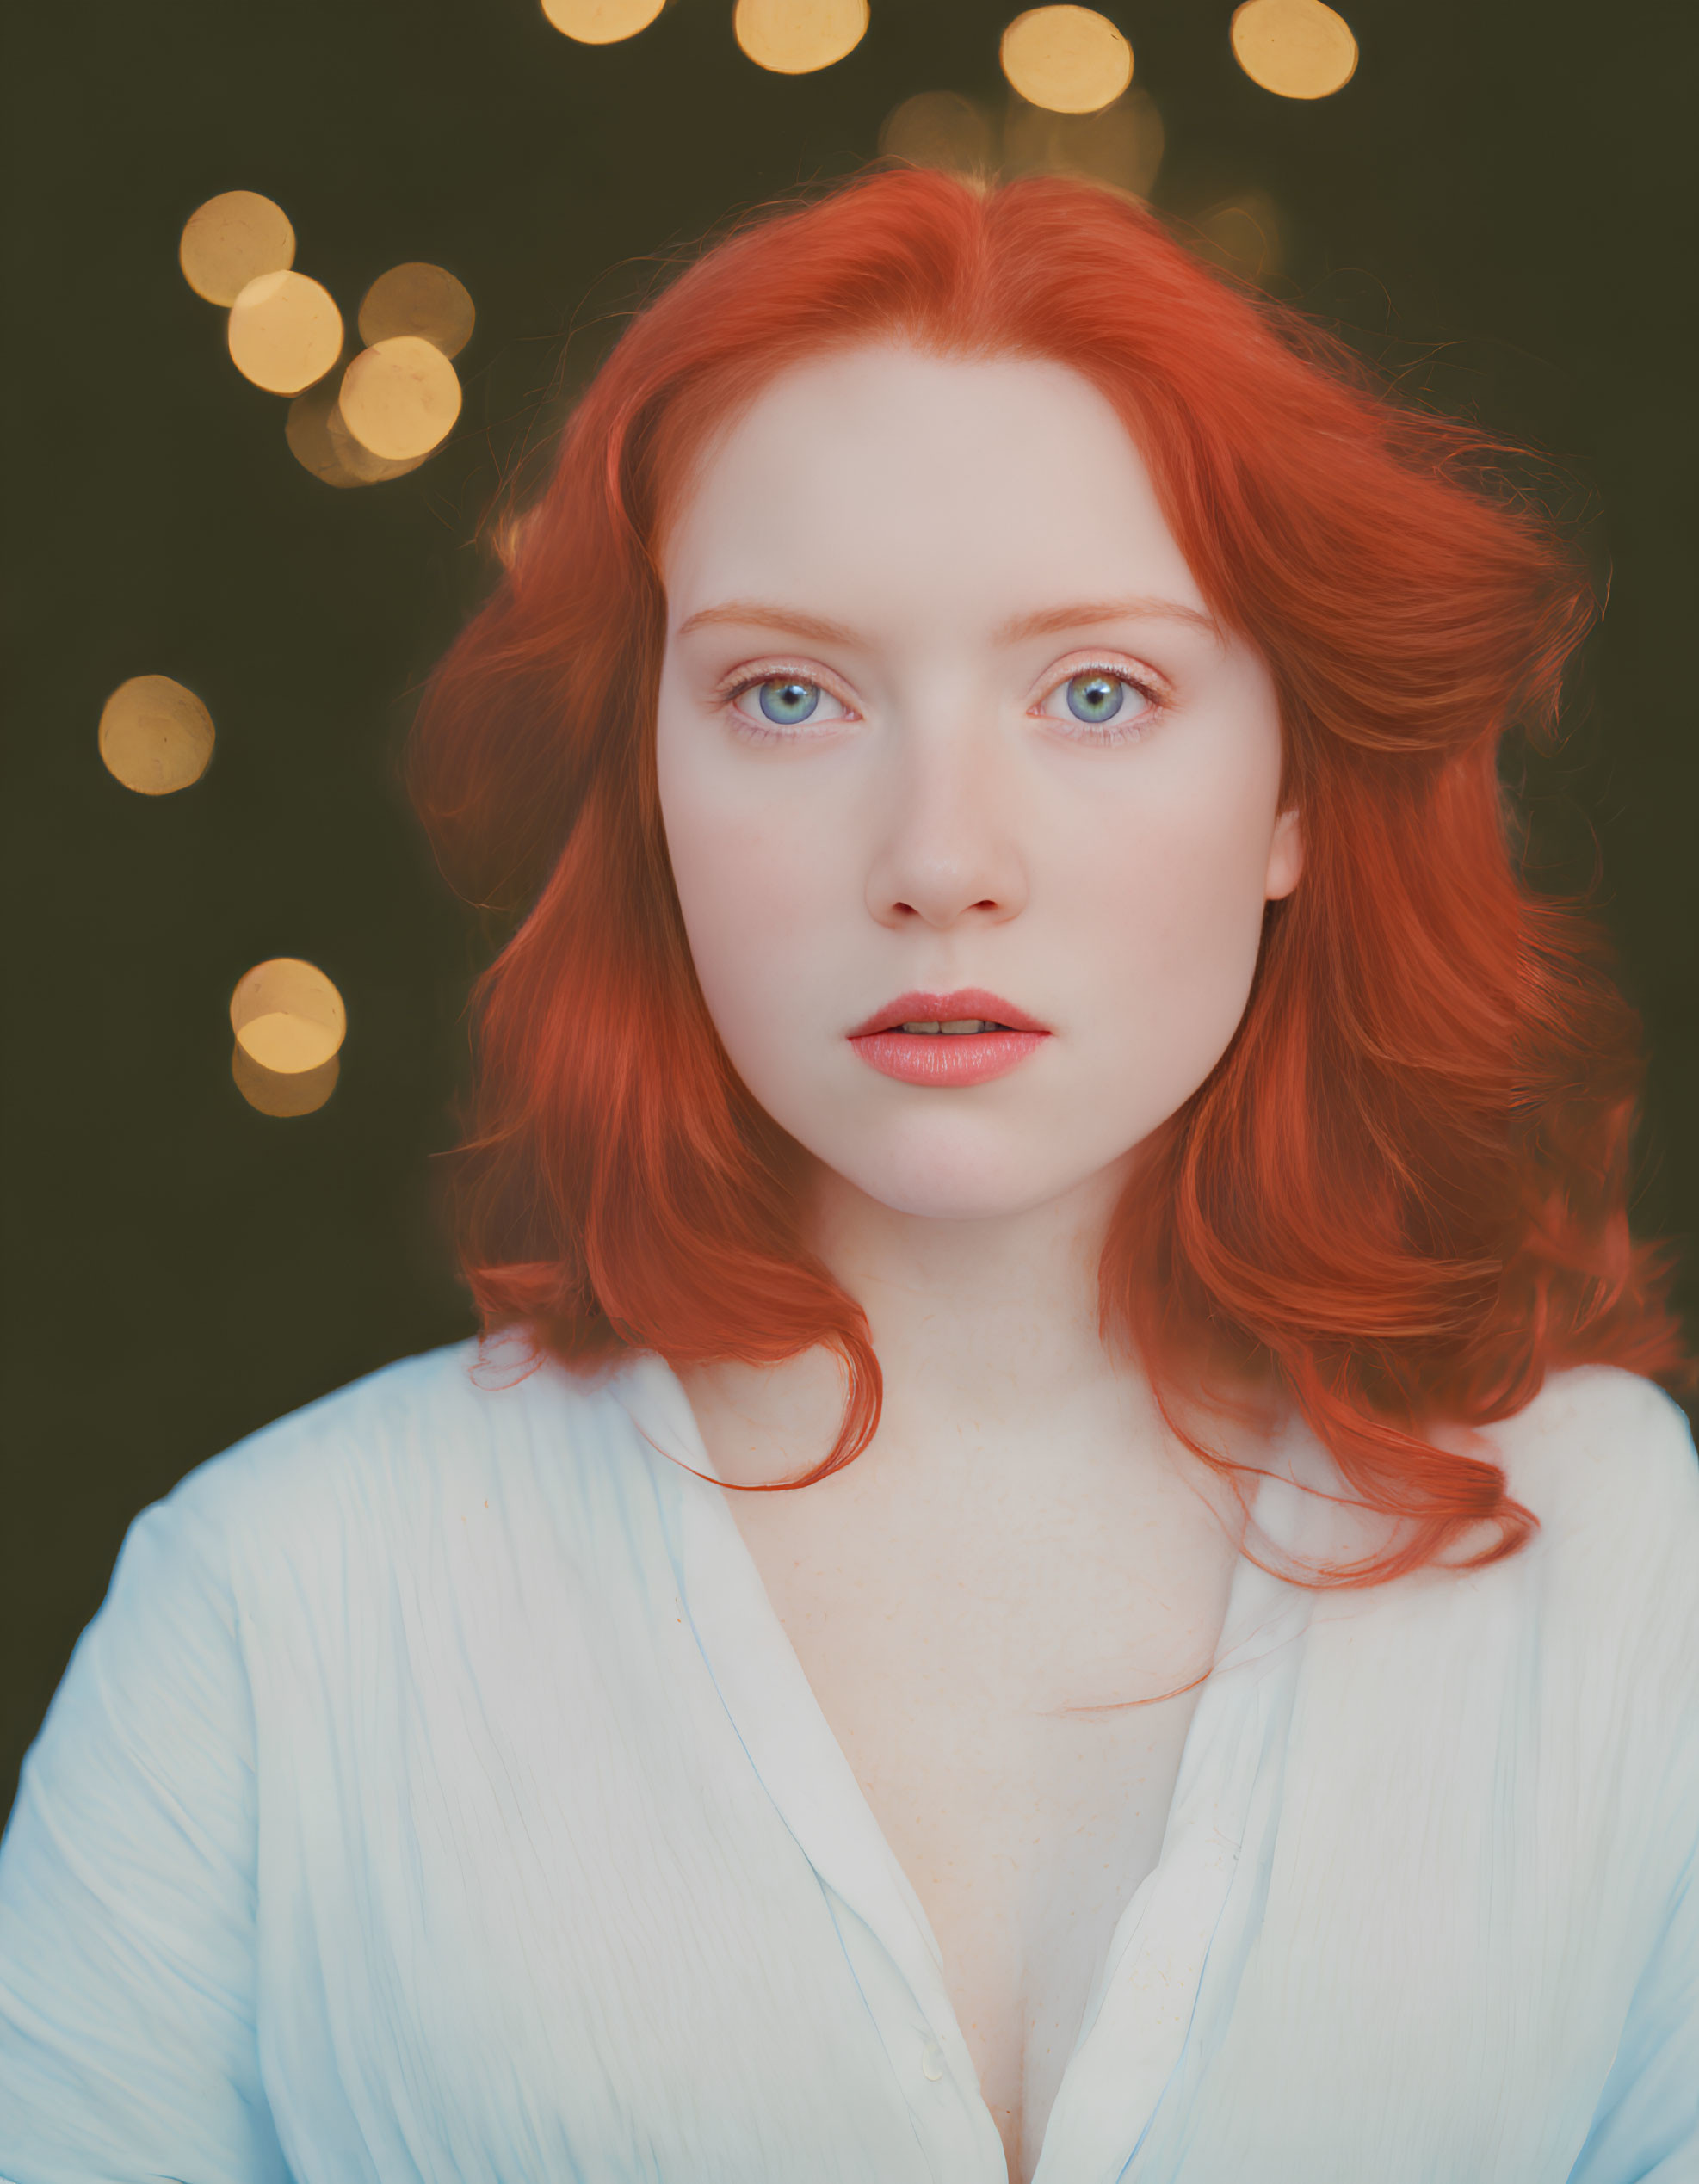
<point x="931" y="2060"/>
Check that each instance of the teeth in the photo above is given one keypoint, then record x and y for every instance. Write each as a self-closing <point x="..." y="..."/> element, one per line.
<point x="962" y="1024"/>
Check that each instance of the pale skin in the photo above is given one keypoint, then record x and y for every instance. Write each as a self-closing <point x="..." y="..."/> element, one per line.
<point x="941" y="550"/>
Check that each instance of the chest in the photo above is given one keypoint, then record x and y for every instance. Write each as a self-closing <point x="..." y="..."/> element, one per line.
<point x="998" y="1690"/>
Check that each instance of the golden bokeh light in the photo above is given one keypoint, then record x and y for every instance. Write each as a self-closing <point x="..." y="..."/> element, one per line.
<point x="299" y="1092"/>
<point x="321" y="442"/>
<point x="361" y="464"/>
<point x="601" y="22"/>
<point x="155" y="736"/>
<point x="285" y="332"/>
<point x="939" y="129"/>
<point x="288" y="1016"/>
<point x="1071" y="60"/>
<point x="1298" y="48"/>
<point x="231" y="240"/>
<point x="1242" y="235"/>
<point x="400" y="397"/>
<point x="796" y="37"/>
<point x="306" y="428"/>
<point x="422" y="299"/>
<point x="1121" y="145"/>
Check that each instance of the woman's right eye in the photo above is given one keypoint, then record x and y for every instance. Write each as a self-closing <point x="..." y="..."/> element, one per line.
<point x="788" y="701"/>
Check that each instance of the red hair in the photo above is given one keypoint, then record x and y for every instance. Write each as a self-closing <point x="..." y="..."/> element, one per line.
<point x="1400" y="1197"/>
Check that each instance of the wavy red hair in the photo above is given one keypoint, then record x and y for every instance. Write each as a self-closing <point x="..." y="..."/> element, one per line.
<point x="1400" y="1198"/>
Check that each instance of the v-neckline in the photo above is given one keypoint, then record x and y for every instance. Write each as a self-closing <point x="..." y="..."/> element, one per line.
<point x="1140" y="2006"/>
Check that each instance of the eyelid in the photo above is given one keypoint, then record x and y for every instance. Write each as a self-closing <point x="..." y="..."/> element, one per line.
<point x="731" y="686"/>
<point x="1142" y="678"/>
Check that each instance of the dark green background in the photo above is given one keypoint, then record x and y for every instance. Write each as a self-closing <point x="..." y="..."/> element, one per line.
<point x="1497" y="207"/>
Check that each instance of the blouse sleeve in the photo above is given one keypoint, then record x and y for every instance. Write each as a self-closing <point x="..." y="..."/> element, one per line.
<point x="127" y="1973"/>
<point x="1646" y="2130"/>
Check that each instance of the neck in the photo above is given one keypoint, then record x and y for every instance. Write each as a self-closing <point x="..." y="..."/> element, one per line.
<point x="986" y="1332"/>
<point x="995" y="1316"/>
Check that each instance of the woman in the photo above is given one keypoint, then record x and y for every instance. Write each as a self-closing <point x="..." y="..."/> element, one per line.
<point x="1064" y="1561"/>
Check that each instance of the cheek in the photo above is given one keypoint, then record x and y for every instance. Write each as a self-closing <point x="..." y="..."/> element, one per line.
<point x="754" y="887"/>
<point x="1181" y="890"/>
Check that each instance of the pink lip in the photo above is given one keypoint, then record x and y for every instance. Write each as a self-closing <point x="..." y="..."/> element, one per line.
<point x="945" y="1057"/>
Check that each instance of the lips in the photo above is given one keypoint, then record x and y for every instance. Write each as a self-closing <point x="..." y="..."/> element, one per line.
<point x="967" y="1037"/>
<point x="967" y="1005"/>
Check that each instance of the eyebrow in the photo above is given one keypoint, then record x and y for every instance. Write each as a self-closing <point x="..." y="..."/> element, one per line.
<point x="1085" y="613"/>
<point x="1048" y="621"/>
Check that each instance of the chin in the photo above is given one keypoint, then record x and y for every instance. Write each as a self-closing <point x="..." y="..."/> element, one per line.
<point x="954" y="1174"/>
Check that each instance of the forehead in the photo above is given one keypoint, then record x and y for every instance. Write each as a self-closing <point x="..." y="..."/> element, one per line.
<point x="902" y="482"/>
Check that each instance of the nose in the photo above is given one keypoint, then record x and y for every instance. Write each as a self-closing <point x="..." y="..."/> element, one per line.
<point x="949" y="849"/>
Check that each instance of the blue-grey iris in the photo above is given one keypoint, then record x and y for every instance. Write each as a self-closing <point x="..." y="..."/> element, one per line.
<point x="1095" y="697"/>
<point x="787" y="699"/>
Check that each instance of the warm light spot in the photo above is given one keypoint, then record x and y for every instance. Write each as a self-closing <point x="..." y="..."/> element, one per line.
<point x="155" y="736"/>
<point x="302" y="1092"/>
<point x="939" y="129"/>
<point x="1299" y="48"/>
<point x="361" y="464"/>
<point x="231" y="240"/>
<point x="320" y="441"/>
<point x="1243" y="237"/>
<point x="1071" y="59"/>
<point x="400" y="397"/>
<point x="307" y="431"/>
<point x="793" y="37"/>
<point x="422" y="299"/>
<point x="601" y="22"/>
<point x="288" y="1016"/>
<point x="285" y="332"/>
<point x="1121" y="145"/>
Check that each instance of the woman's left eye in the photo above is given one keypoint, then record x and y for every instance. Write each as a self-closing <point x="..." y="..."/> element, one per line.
<point x="787" y="701"/>
<point x="1096" y="699"/>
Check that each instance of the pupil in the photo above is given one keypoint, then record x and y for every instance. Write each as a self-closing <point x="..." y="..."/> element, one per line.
<point x="787" y="699"/>
<point x="1094" y="697"/>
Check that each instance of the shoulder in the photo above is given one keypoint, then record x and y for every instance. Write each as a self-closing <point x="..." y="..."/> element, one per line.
<point x="1603" y="1458"/>
<point x="1606" y="1461"/>
<point x="389" y="1454"/>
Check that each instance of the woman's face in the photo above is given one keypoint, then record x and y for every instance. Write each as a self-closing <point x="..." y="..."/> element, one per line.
<point x="948" y="737"/>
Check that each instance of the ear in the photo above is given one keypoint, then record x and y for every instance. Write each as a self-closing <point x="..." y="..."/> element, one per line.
<point x="1286" y="855"/>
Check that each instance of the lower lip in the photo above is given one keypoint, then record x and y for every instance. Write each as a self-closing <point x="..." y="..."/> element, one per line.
<point x="946" y="1057"/>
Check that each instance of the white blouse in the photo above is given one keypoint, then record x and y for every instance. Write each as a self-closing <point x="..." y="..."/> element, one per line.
<point x="436" y="1799"/>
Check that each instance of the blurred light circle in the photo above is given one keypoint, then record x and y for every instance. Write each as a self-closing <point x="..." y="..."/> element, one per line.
<point x="361" y="464"/>
<point x="601" y="22"/>
<point x="400" y="397"/>
<point x="155" y="736"/>
<point x="285" y="332"/>
<point x="321" y="442"/>
<point x="1121" y="145"/>
<point x="1071" y="60"/>
<point x="288" y="1016"/>
<point x="1242" y="235"/>
<point x="422" y="299"/>
<point x="1298" y="48"/>
<point x="302" y="1092"/>
<point x="231" y="240"/>
<point x="306" y="428"/>
<point x="939" y="129"/>
<point x="794" y="37"/>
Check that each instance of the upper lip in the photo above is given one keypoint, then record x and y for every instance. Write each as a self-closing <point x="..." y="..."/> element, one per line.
<point x="948" y="1009"/>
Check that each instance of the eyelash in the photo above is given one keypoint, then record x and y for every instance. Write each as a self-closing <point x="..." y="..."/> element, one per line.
<point x="756" y="731"/>
<point x="1110" y="734"/>
<point x="1114" y="733"/>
